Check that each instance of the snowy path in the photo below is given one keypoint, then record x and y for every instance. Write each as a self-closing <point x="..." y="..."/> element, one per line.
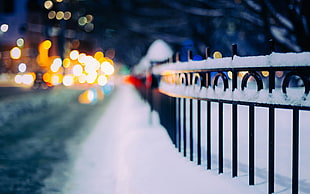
<point x="125" y="155"/>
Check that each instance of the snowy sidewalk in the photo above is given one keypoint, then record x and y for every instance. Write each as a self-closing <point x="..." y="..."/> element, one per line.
<point x="125" y="155"/>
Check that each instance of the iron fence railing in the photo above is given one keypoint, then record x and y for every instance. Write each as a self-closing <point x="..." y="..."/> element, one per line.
<point x="275" y="81"/>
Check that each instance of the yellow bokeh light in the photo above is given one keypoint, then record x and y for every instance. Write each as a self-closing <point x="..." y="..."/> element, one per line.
<point x="98" y="55"/>
<point x="242" y="73"/>
<point x="60" y="15"/>
<point x="74" y="55"/>
<point x="47" y="44"/>
<point x="67" y="15"/>
<point x="89" y="18"/>
<point x="87" y="97"/>
<point x="47" y="77"/>
<point x="217" y="55"/>
<point x="51" y="15"/>
<point x="265" y="73"/>
<point x="59" y="1"/>
<point x="66" y="63"/>
<point x="230" y="74"/>
<point x="48" y="4"/>
<point x="15" y="53"/>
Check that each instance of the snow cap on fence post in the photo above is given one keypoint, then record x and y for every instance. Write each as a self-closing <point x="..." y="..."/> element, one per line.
<point x="159" y="51"/>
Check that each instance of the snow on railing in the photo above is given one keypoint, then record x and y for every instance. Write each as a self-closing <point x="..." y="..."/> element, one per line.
<point x="272" y="73"/>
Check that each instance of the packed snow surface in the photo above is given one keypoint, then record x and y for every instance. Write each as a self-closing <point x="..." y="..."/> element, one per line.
<point x="125" y="154"/>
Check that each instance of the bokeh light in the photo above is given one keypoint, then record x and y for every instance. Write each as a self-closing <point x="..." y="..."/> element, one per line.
<point x="4" y="27"/>
<point x="47" y="44"/>
<point x="89" y="18"/>
<point x="51" y="15"/>
<point x="217" y="55"/>
<point x="74" y="55"/>
<point x="66" y="63"/>
<point x="265" y="73"/>
<point x="89" y="27"/>
<point x="107" y="68"/>
<point x="102" y="80"/>
<point x="67" y="15"/>
<point x="22" y="67"/>
<point x="82" y="21"/>
<point x="48" y="4"/>
<point x="77" y="70"/>
<point x="68" y="80"/>
<point x="60" y="15"/>
<point x="15" y="53"/>
<point x="20" y="42"/>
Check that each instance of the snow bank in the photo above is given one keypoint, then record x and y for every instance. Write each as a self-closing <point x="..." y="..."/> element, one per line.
<point x="125" y="154"/>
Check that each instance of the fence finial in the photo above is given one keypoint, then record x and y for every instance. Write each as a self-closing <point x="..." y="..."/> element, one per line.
<point x="271" y="46"/>
<point x="189" y="55"/>
<point x="234" y="50"/>
<point x="208" y="52"/>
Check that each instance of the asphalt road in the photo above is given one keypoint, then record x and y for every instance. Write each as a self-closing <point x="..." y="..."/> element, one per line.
<point x="35" y="142"/>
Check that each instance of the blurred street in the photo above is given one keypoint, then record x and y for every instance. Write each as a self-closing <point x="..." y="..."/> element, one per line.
<point x="36" y="127"/>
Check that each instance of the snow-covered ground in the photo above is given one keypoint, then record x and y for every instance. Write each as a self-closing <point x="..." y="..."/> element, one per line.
<point x="124" y="154"/>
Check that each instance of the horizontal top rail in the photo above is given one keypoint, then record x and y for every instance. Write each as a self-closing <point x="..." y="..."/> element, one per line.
<point x="274" y="60"/>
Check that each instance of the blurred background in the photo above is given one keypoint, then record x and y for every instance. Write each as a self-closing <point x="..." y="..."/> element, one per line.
<point x="124" y="29"/>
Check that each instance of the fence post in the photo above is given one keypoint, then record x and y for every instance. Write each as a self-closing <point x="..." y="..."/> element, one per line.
<point x="295" y="161"/>
<point x="220" y="137"/>
<point x="234" y="121"/>
<point x="271" y="147"/>
<point x="251" y="145"/>
<point x="199" y="132"/>
<point x="208" y="52"/>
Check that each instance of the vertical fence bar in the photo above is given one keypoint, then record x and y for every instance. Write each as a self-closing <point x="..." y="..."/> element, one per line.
<point x="177" y="118"/>
<point x="234" y="141"/>
<point x="295" y="149"/>
<point x="208" y="135"/>
<point x="179" y="122"/>
<point x="271" y="81"/>
<point x="191" y="138"/>
<point x="173" y="113"/>
<point x="251" y="145"/>
<point x="198" y="132"/>
<point x="184" y="127"/>
<point x="220" y="141"/>
<point x="271" y="151"/>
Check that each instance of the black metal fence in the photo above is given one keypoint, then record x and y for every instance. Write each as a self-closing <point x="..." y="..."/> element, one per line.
<point x="184" y="86"/>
